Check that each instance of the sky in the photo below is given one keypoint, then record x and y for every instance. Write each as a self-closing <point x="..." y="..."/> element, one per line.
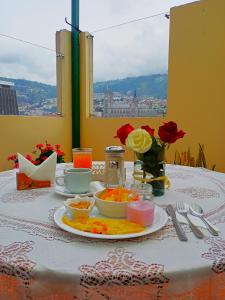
<point x="138" y="48"/>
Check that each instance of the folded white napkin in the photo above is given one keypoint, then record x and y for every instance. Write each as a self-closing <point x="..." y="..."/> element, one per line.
<point x="44" y="171"/>
<point x="195" y="220"/>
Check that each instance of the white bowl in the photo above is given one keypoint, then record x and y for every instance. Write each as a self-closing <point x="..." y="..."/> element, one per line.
<point x="79" y="212"/>
<point x="111" y="209"/>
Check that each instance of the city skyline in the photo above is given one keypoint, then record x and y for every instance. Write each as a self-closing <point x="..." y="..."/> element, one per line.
<point x="110" y="99"/>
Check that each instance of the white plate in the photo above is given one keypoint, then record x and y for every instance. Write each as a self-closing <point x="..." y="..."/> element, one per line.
<point x="160" y="219"/>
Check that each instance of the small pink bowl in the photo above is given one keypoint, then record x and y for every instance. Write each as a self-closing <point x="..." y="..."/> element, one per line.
<point x="141" y="212"/>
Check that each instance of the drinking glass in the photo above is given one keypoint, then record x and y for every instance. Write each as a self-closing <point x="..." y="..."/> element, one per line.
<point x="142" y="190"/>
<point x="82" y="158"/>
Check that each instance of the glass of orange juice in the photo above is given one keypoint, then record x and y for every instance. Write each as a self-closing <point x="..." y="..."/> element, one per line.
<point x="82" y="158"/>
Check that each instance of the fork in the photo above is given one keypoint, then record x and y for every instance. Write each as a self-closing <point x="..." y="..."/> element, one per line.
<point x="183" y="209"/>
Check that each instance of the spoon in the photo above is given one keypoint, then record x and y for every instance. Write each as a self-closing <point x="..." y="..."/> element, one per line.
<point x="196" y="210"/>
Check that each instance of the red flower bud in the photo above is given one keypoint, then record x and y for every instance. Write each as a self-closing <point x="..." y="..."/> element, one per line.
<point x="123" y="132"/>
<point x="148" y="129"/>
<point x="10" y="157"/>
<point x="49" y="148"/>
<point x="59" y="153"/>
<point x="39" y="146"/>
<point x="29" y="157"/>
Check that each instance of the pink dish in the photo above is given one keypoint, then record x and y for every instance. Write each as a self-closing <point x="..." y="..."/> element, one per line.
<point x="141" y="212"/>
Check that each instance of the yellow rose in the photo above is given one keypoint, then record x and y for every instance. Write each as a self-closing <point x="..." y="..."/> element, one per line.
<point x="139" y="140"/>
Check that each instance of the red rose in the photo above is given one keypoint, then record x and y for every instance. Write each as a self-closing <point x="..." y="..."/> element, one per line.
<point x="148" y="129"/>
<point x="168" y="132"/>
<point x="123" y="132"/>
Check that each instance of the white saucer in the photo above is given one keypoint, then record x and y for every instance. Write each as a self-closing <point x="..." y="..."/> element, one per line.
<point x="61" y="190"/>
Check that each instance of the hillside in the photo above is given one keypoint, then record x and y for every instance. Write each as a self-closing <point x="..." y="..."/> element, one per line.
<point x="32" y="92"/>
<point x="150" y="85"/>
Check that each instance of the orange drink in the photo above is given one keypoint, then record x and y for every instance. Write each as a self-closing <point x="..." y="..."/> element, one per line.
<point x="82" y="158"/>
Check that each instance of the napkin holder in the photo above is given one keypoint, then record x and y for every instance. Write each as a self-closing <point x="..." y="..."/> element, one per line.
<point x="23" y="182"/>
<point x="31" y="176"/>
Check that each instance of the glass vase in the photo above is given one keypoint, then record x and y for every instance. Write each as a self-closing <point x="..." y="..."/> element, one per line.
<point x="152" y="164"/>
<point x="158" y="186"/>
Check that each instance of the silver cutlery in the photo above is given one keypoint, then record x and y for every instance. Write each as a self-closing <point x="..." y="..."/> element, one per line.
<point x="196" y="210"/>
<point x="183" y="209"/>
<point x="180" y="232"/>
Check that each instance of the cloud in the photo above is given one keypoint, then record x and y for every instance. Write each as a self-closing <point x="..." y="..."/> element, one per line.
<point x="136" y="49"/>
<point x="132" y="50"/>
<point x="22" y="61"/>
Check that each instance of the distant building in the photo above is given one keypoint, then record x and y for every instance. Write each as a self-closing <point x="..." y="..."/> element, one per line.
<point x="132" y="106"/>
<point x="8" y="100"/>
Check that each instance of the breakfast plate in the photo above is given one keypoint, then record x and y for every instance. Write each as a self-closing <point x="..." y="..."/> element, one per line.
<point x="160" y="220"/>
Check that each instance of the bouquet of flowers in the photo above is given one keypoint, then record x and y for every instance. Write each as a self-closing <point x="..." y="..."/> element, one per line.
<point x="151" y="149"/>
<point x="44" y="153"/>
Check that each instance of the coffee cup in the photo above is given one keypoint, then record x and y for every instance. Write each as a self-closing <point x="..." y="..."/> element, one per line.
<point x="75" y="180"/>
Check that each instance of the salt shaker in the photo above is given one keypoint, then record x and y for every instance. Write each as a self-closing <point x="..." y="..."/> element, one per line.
<point x="114" y="166"/>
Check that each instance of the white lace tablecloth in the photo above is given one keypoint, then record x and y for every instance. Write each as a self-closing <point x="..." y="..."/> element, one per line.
<point x="38" y="260"/>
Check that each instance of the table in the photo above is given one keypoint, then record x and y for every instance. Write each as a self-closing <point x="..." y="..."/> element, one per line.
<point x="40" y="261"/>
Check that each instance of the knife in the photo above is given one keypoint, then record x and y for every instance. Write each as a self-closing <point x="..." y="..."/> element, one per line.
<point x="180" y="232"/>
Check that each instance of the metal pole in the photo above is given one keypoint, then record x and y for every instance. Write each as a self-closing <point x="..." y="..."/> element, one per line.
<point x="75" y="74"/>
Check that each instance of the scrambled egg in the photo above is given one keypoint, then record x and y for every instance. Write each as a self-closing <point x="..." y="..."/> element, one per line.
<point x="103" y="226"/>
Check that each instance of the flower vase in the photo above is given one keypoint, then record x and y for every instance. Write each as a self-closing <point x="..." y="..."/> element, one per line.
<point x="158" y="186"/>
<point x="154" y="167"/>
<point x="150" y="150"/>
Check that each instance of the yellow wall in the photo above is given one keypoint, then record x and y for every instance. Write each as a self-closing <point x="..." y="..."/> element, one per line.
<point x="197" y="76"/>
<point x="22" y="133"/>
<point x="196" y="89"/>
